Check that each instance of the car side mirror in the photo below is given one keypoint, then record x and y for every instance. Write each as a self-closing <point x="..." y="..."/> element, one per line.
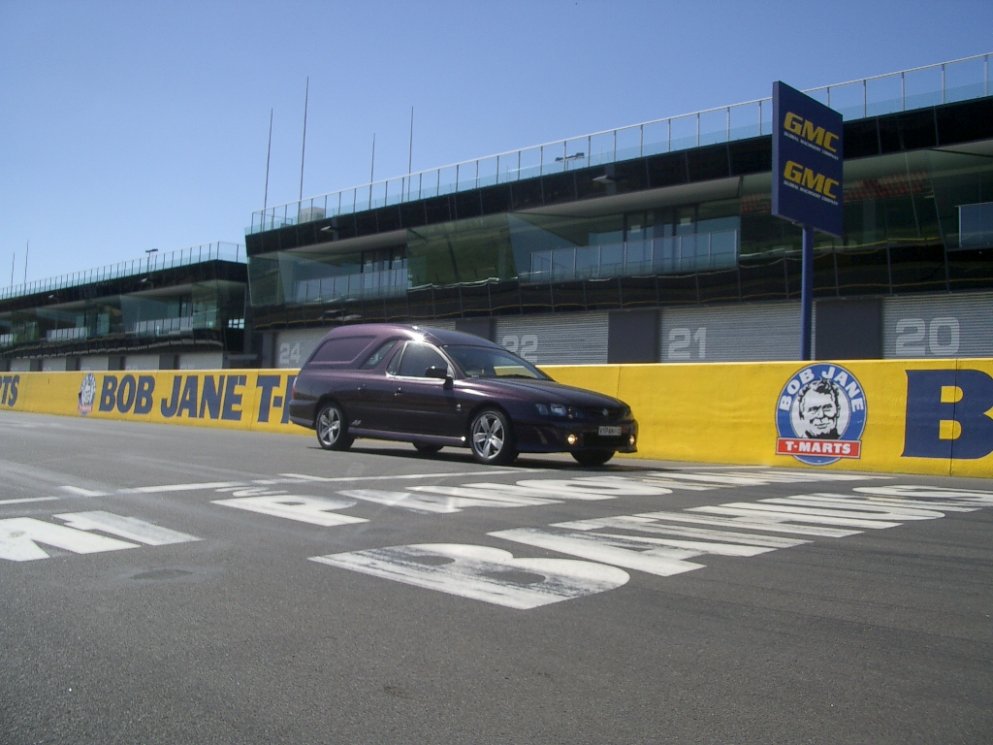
<point x="439" y="373"/>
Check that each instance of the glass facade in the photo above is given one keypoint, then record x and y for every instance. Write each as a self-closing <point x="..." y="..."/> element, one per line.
<point x="181" y="299"/>
<point x="212" y="308"/>
<point x="515" y="247"/>
<point x="714" y="242"/>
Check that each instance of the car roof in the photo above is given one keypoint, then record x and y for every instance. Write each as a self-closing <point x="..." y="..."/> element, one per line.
<point x="437" y="336"/>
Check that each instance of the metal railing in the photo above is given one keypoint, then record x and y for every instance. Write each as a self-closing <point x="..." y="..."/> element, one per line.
<point x="946" y="82"/>
<point x="152" y="261"/>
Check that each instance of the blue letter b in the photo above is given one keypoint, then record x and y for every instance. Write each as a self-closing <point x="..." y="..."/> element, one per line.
<point x="926" y="411"/>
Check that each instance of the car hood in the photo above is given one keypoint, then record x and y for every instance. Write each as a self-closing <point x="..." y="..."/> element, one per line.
<point x="544" y="391"/>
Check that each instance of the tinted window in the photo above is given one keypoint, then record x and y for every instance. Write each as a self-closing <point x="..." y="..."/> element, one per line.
<point x="417" y="358"/>
<point x="382" y="351"/>
<point x="492" y="362"/>
<point x="343" y="349"/>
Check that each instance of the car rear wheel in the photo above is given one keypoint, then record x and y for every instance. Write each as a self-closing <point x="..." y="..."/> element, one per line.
<point x="593" y="457"/>
<point x="492" y="438"/>
<point x="332" y="429"/>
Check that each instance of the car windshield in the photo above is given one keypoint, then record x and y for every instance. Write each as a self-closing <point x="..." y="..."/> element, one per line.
<point x="492" y="362"/>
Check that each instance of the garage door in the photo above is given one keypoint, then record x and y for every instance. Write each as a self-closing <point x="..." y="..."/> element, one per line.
<point x="938" y="326"/>
<point x="731" y="333"/>
<point x="556" y="339"/>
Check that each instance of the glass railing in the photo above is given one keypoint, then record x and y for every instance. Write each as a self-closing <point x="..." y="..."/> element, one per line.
<point x="153" y="261"/>
<point x="653" y="256"/>
<point x="699" y="252"/>
<point x="166" y="326"/>
<point x="383" y="283"/>
<point x="947" y="82"/>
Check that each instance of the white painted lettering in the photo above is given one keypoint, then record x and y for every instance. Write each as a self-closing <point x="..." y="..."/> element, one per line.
<point x="640" y="554"/>
<point x="646" y="524"/>
<point x="406" y="500"/>
<point x="491" y="575"/>
<point x="20" y="536"/>
<point x="487" y="495"/>
<point x="313" y="510"/>
<point x="593" y="488"/>
<point x="752" y="521"/>
<point x="442" y="500"/>
<point x="787" y="514"/>
<point x="129" y="528"/>
<point x="855" y="507"/>
<point x="957" y="496"/>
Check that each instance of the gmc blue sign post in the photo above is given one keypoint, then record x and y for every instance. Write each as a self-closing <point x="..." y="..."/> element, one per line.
<point x="807" y="177"/>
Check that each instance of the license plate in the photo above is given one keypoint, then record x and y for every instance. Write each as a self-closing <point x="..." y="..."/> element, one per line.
<point x="609" y="431"/>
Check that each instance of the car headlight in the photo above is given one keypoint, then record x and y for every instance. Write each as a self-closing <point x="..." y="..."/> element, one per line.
<point x="553" y="409"/>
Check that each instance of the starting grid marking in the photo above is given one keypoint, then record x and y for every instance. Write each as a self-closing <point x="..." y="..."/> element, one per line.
<point x="603" y="550"/>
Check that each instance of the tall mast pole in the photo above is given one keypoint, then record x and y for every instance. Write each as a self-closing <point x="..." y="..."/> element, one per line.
<point x="303" y="151"/>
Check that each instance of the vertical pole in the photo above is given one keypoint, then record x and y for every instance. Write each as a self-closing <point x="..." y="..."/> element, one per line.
<point x="410" y="149"/>
<point x="807" y="294"/>
<point x="268" y="155"/>
<point x="303" y="150"/>
<point x="410" y="153"/>
<point x="372" y="169"/>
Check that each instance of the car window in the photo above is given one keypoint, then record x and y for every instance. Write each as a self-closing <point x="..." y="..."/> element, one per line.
<point x="492" y="362"/>
<point x="417" y="358"/>
<point x="380" y="354"/>
<point x="341" y="349"/>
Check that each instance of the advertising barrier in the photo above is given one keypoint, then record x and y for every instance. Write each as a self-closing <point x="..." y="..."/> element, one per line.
<point x="920" y="416"/>
<point x="235" y="399"/>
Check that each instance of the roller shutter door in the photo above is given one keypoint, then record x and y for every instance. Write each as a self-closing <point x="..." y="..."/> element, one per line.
<point x="958" y="325"/>
<point x="96" y="362"/>
<point x="142" y="362"/>
<point x="201" y="361"/>
<point x="556" y="339"/>
<point x="731" y="333"/>
<point x="293" y="346"/>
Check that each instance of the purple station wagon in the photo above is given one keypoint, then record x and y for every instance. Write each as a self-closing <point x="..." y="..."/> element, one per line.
<point x="437" y="388"/>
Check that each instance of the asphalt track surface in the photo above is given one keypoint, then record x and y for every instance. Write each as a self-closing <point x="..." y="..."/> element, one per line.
<point x="167" y="584"/>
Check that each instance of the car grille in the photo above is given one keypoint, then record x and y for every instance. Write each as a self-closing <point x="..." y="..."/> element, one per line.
<point x="600" y="413"/>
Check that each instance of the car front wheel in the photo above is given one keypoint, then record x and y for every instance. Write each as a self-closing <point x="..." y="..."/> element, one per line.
<point x="492" y="438"/>
<point x="332" y="429"/>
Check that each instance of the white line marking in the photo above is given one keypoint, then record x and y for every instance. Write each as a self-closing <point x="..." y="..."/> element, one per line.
<point x="28" y="499"/>
<point x="290" y="478"/>
<point x="305" y="477"/>
<point x="180" y="487"/>
<point x="79" y="491"/>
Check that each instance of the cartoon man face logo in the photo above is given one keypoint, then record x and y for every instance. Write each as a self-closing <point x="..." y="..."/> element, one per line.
<point x="87" y="394"/>
<point x="820" y="415"/>
<point x="818" y="411"/>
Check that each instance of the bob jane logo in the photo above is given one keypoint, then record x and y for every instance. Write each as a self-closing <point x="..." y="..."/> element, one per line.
<point x="87" y="394"/>
<point x="821" y="416"/>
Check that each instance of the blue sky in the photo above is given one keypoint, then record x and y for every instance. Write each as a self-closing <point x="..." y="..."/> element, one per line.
<point x="127" y="125"/>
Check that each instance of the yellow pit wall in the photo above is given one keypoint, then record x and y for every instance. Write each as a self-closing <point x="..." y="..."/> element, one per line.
<point x="928" y="416"/>
<point x="918" y="416"/>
